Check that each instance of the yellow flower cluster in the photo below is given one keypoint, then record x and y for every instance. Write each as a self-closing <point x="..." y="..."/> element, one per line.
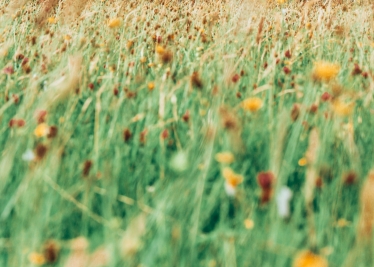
<point x="41" y="130"/>
<point x="309" y="259"/>
<point x="225" y="157"/>
<point x="325" y="71"/>
<point x="114" y="23"/>
<point x="252" y="104"/>
<point x="342" y="108"/>
<point x="232" y="178"/>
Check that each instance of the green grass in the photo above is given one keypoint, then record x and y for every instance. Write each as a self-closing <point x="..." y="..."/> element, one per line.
<point x="174" y="186"/>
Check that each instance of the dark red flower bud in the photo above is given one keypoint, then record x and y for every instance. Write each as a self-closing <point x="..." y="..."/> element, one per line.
<point x="265" y="180"/>
<point x="165" y="134"/>
<point x="186" y="116"/>
<point x="8" y="70"/>
<point x="288" y="54"/>
<point x="126" y="135"/>
<point x="325" y="97"/>
<point x="235" y="78"/>
<point x="87" y="167"/>
<point x="286" y="70"/>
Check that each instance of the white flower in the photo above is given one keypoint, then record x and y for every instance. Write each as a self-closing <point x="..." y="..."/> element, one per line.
<point x="283" y="202"/>
<point x="173" y="99"/>
<point x="230" y="190"/>
<point x="28" y="155"/>
<point x="179" y="162"/>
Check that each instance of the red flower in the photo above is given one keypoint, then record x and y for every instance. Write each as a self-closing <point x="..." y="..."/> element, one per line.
<point x="86" y="168"/>
<point x="8" y="70"/>
<point x="288" y="54"/>
<point x="115" y="91"/>
<point x="356" y="70"/>
<point x="313" y="108"/>
<point x="40" y="116"/>
<point x="235" y="78"/>
<point x="16" y="123"/>
<point x="350" y="178"/>
<point x="53" y="130"/>
<point x="165" y="134"/>
<point x="295" y="112"/>
<point x="286" y="70"/>
<point x="20" y="123"/>
<point x="186" y="116"/>
<point x="126" y="135"/>
<point x="12" y="123"/>
<point x="265" y="180"/>
<point x="25" y="61"/>
<point x="325" y="97"/>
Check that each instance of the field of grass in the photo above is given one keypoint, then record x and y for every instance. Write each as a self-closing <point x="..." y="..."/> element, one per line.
<point x="186" y="133"/>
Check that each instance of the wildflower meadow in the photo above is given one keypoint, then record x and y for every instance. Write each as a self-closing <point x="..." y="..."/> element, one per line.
<point x="186" y="133"/>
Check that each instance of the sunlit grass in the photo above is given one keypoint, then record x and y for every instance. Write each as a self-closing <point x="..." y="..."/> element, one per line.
<point x="186" y="133"/>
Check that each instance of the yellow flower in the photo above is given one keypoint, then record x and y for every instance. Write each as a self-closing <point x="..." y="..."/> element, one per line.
<point x="343" y="108"/>
<point x="52" y="20"/>
<point x="232" y="178"/>
<point x="160" y="50"/>
<point x="252" y="104"/>
<point x="303" y="162"/>
<point x="41" y="130"/>
<point x="114" y="23"/>
<point x="281" y="1"/>
<point x="129" y="44"/>
<point x="309" y="259"/>
<point x="325" y="71"/>
<point x="202" y="112"/>
<point x="36" y="258"/>
<point x="342" y="223"/>
<point x="224" y="157"/>
<point x="151" y="86"/>
<point x="249" y="224"/>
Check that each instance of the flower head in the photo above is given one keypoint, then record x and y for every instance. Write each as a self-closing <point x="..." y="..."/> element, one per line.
<point x="8" y="70"/>
<point x="225" y="157"/>
<point x="342" y="108"/>
<point x="309" y="259"/>
<point x="252" y="104"/>
<point x="325" y="71"/>
<point x="179" y="161"/>
<point x="36" y="258"/>
<point x="249" y="224"/>
<point x="29" y="155"/>
<point x="302" y="162"/>
<point x="151" y="86"/>
<point x="265" y="180"/>
<point x="283" y="202"/>
<point x="160" y="50"/>
<point x="232" y="178"/>
<point x="52" y="20"/>
<point x="41" y="130"/>
<point x="114" y="23"/>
